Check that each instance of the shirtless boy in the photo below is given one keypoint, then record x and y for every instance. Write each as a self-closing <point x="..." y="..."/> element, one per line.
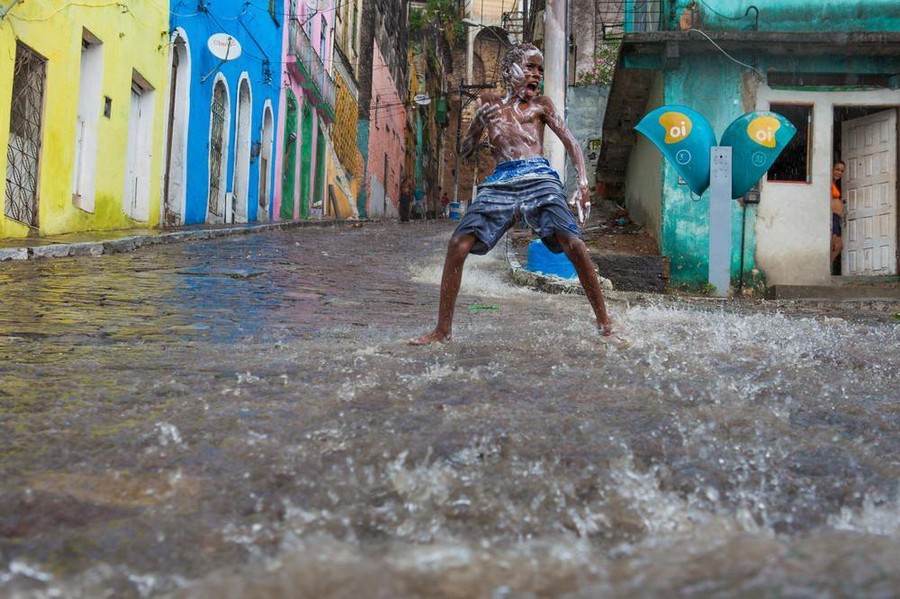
<point x="523" y="185"/>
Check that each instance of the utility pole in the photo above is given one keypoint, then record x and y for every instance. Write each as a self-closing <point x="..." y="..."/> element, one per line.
<point x="366" y="53"/>
<point x="556" y="45"/>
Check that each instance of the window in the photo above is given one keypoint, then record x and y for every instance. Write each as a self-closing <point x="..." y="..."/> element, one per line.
<point x="793" y="165"/>
<point x="25" y="135"/>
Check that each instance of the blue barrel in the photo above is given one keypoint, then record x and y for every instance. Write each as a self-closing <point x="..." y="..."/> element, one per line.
<point x="542" y="260"/>
<point x="455" y="210"/>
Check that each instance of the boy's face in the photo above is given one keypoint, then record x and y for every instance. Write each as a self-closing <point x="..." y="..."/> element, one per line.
<point x="532" y="66"/>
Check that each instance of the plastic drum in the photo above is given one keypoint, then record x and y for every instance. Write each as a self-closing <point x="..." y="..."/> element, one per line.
<point x="542" y="260"/>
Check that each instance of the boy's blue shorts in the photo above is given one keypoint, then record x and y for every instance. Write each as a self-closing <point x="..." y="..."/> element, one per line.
<point x="527" y="189"/>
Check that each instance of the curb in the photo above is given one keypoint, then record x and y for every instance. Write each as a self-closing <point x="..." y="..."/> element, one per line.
<point x="52" y="249"/>
<point x="542" y="282"/>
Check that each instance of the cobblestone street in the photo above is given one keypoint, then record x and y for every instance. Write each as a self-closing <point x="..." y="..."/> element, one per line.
<point x="243" y="415"/>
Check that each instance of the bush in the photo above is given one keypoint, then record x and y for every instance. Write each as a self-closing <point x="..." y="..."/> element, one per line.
<point x="603" y="68"/>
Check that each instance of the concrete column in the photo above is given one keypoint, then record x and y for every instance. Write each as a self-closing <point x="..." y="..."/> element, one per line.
<point x="555" y="51"/>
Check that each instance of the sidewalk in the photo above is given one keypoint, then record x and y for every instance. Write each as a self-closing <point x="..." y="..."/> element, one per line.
<point x="96" y="243"/>
<point x="881" y="293"/>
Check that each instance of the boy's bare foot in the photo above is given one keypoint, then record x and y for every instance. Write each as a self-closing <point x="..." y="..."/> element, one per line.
<point x="432" y="337"/>
<point x="610" y="334"/>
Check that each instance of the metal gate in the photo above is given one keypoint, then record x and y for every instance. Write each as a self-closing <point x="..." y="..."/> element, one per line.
<point x="24" y="148"/>
<point x="217" y="144"/>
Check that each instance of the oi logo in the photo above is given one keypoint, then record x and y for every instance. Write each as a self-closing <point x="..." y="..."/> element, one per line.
<point x="762" y="130"/>
<point x="676" y="125"/>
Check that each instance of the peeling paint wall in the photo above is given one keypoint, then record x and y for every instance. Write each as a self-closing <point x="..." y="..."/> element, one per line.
<point x="387" y="141"/>
<point x="643" y="179"/>
<point x="585" y="108"/>
<point x="711" y="85"/>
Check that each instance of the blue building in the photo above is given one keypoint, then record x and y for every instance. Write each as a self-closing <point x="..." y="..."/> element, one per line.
<point x="222" y="111"/>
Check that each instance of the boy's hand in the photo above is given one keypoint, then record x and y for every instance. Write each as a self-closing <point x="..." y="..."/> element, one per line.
<point x="485" y="113"/>
<point x="582" y="203"/>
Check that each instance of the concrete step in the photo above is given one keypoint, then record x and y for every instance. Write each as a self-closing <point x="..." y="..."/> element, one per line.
<point x="888" y="290"/>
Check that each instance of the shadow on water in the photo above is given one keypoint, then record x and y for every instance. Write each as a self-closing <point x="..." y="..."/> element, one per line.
<point x="243" y="417"/>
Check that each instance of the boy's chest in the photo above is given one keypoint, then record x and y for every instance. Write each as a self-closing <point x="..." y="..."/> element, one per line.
<point x="519" y="119"/>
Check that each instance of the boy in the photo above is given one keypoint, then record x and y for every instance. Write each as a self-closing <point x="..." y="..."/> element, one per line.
<point x="523" y="184"/>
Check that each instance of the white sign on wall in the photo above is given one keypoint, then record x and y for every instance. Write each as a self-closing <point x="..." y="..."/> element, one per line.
<point x="224" y="46"/>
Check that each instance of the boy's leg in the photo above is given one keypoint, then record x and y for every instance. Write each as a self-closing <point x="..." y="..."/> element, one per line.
<point x="578" y="254"/>
<point x="457" y="251"/>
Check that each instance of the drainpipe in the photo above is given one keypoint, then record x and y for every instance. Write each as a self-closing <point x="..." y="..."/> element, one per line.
<point x="5" y="10"/>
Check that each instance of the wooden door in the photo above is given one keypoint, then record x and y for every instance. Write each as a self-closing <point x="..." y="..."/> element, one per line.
<point x="869" y="148"/>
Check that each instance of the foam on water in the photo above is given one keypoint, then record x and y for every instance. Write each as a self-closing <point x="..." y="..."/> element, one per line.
<point x="482" y="275"/>
<point x="878" y="515"/>
<point x="715" y="453"/>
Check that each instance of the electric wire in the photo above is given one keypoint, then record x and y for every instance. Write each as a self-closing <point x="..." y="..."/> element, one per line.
<point x="121" y="5"/>
<point x="729" y="56"/>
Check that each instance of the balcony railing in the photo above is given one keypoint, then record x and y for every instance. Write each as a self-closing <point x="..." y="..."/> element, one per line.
<point x="620" y="17"/>
<point x="310" y="67"/>
<point x="632" y="16"/>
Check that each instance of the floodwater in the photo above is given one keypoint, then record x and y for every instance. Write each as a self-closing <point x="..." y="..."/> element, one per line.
<point x="242" y="417"/>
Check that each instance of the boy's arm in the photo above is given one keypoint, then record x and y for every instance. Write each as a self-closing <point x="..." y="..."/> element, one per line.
<point x="485" y="112"/>
<point x="556" y="123"/>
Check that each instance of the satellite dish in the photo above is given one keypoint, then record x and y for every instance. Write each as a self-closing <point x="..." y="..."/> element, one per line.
<point x="224" y="46"/>
<point x="422" y="99"/>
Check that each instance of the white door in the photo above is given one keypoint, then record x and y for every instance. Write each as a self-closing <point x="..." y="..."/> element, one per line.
<point x="869" y="148"/>
<point x="240" y="185"/>
<point x="132" y="186"/>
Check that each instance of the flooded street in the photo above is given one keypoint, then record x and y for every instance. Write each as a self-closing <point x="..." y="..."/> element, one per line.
<point x="242" y="417"/>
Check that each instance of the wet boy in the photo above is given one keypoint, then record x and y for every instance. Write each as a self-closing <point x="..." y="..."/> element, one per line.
<point x="523" y="185"/>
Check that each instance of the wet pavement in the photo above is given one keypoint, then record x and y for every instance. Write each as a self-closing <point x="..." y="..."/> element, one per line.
<point x="241" y="416"/>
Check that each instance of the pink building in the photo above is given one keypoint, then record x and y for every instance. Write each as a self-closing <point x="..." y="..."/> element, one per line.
<point x="307" y="109"/>
<point x="387" y="141"/>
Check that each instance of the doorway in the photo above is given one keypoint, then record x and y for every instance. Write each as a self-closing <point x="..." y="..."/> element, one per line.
<point x="306" y="132"/>
<point x="289" y="160"/>
<point x="136" y="198"/>
<point x="218" y="150"/>
<point x="26" y="131"/>
<point x="240" y="185"/>
<point x="175" y="174"/>
<point x="265" y="161"/>
<point x="865" y="138"/>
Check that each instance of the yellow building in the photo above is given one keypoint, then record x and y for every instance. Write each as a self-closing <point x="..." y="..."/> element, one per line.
<point x="82" y="105"/>
<point x="345" y="166"/>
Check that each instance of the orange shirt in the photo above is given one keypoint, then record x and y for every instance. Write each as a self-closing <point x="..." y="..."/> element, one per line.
<point x="837" y="206"/>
